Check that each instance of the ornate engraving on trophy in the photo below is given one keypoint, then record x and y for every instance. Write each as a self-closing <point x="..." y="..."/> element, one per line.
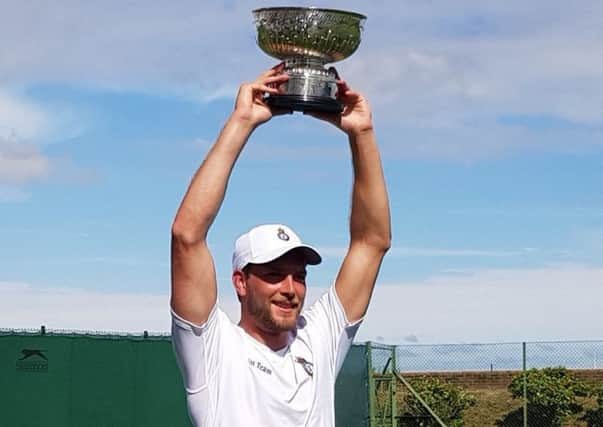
<point x="307" y="39"/>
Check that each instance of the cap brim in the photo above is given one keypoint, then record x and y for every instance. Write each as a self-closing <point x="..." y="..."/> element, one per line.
<point x="311" y="255"/>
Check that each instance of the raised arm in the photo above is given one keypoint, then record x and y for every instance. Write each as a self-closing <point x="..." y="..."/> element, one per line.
<point x="194" y="288"/>
<point x="370" y="230"/>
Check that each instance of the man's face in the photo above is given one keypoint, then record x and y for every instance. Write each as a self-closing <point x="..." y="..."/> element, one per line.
<point x="276" y="292"/>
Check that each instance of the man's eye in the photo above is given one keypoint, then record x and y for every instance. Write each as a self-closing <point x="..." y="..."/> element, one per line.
<point x="274" y="276"/>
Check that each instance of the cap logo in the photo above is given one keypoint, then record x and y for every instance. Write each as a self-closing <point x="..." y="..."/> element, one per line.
<point x="282" y="235"/>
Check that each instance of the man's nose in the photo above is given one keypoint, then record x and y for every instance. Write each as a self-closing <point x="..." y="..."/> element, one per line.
<point x="287" y="286"/>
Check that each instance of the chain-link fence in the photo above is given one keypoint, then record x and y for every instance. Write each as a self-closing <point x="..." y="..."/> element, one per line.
<point x="539" y="384"/>
<point x="44" y="331"/>
<point x="535" y="384"/>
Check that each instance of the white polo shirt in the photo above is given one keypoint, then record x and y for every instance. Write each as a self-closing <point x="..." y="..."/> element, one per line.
<point x="232" y="380"/>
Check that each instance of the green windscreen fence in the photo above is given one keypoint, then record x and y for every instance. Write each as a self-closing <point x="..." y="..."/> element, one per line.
<point x="71" y="380"/>
<point x="91" y="381"/>
<point x="351" y="390"/>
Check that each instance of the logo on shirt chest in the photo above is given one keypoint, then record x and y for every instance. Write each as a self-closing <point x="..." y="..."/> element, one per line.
<point x="258" y="365"/>
<point x="308" y="366"/>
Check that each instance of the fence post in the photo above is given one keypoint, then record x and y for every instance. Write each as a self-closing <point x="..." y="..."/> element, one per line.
<point x="394" y="388"/>
<point x="418" y="397"/>
<point x="525" y="386"/>
<point x="371" y="384"/>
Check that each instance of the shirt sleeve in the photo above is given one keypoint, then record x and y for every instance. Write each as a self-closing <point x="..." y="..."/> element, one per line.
<point x="197" y="348"/>
<point x="329" y="327"/>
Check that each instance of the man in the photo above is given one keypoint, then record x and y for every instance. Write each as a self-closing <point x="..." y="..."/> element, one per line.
<point x="278" y="366"/>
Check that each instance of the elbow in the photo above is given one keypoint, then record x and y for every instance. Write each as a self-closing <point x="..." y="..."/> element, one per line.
<point x="384" y="237"/>
<point x="186" y="234"/>
<point x="378" y="243"/>
<point x="384" y="243"/>
<point x="381" y="240"/>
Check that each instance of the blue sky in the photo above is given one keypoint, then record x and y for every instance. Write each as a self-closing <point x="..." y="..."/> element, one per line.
<point x="489" y="119"/>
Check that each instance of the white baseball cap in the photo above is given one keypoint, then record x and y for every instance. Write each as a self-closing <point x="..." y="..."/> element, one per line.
<point x="266" y="243"/>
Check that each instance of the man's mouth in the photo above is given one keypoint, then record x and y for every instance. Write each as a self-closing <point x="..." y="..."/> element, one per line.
<point x="286" y="305"/>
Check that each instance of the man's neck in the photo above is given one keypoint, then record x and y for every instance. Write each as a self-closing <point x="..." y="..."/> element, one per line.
<point x="273" y="340"/>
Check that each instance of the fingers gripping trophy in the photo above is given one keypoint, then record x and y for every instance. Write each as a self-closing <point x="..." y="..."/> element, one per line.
<point x="306" y="39"/>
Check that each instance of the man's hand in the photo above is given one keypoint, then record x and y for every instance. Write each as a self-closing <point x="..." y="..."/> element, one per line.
<point x="250" y="105"/>
<point x="355" y="118"/>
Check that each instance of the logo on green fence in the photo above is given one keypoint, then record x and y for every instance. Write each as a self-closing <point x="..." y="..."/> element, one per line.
<point x="32" y="360"/>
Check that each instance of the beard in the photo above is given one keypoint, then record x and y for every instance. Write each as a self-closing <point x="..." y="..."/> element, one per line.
<point x="261" y="311"/>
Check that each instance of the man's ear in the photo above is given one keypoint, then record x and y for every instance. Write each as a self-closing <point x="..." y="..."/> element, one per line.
<point x="240" y="283"/>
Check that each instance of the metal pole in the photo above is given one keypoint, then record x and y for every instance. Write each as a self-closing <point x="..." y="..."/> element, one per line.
<point x="525" y="386"/>
<point x="394" y="388"/>
<point x="389" y="390"/>
<point x="415" y="394"/>
<point x="371" y="384"/>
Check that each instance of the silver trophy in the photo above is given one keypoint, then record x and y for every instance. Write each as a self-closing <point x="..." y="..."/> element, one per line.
<point x="307" y="39"/>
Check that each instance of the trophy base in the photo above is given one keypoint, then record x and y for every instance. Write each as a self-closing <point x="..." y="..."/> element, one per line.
<point x="305" y="103"/>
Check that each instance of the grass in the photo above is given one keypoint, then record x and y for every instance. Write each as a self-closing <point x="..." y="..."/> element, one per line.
<point x="493" y="405"/>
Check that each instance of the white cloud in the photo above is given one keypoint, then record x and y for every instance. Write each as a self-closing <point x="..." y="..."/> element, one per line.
<point x="134" y="45"/>
<point x="420" y="57"/>
<point x="26" y="306"/>
<point x="21" y="119"/>
<point x="555" y="303"/>
<point x="26" y="126"/>
<point x="435" y="252"/>
<point x="21" y="162"/>
<point x="23" y="125"/>
<point x="228" y="91"/>
<point x="431" y="252"/>
<point x="443" y="83"/>
<point x="438" y="76"/>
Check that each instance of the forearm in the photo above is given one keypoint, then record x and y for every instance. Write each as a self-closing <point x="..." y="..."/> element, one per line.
<point x="370" y="233"/>
<point x="206" y="191"/>
<point x="370" y="216"/>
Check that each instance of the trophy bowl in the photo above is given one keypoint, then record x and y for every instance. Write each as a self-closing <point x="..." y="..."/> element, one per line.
<point x="307" y="39"/>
